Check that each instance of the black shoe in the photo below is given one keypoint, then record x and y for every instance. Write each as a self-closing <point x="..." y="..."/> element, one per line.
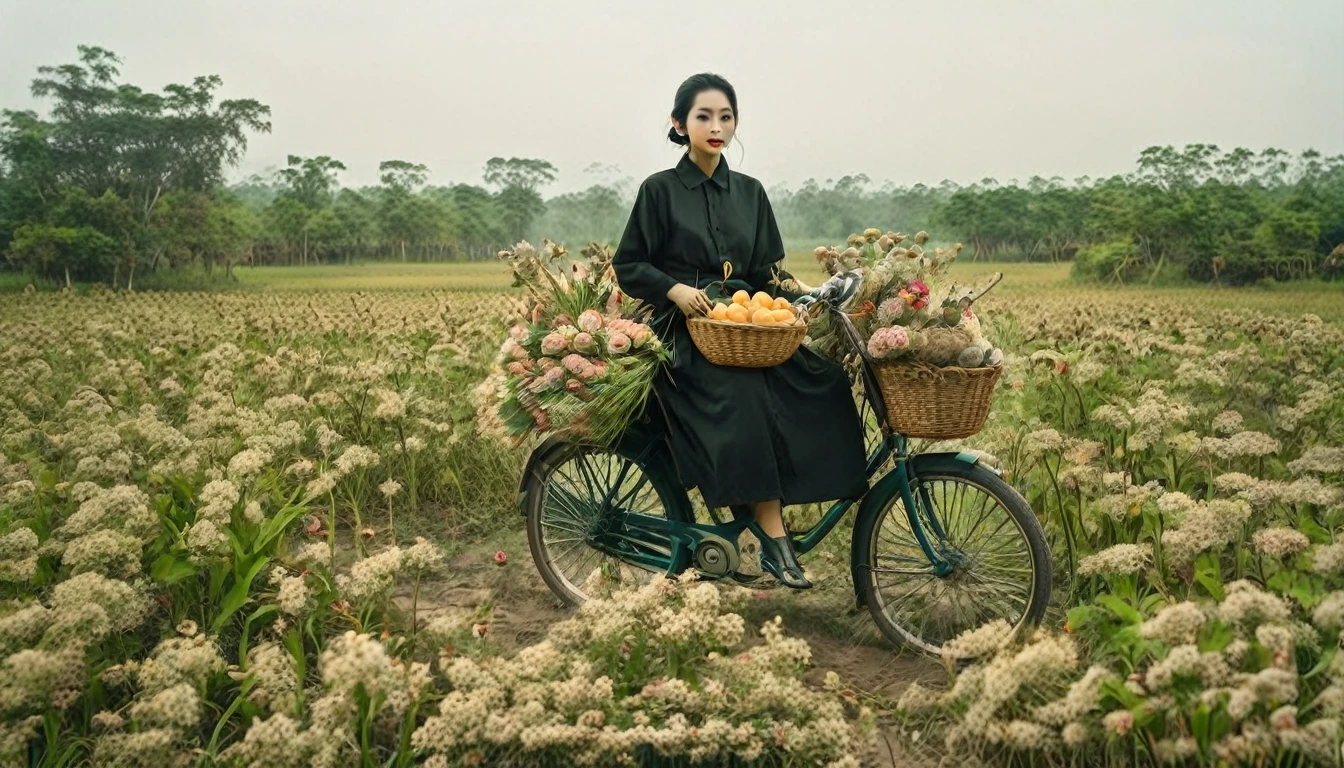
<point x="778" y="559"/>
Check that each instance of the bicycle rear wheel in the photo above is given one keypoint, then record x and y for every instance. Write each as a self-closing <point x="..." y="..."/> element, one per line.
<point x="575" y="498"/>
<point x="999" y="562"/>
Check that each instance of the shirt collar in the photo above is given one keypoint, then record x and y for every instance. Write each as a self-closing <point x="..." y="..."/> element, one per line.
<point x="691" y="175"/>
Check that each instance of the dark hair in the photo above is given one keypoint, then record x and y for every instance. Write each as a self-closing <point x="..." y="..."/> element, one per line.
<point x="685" y="99"/>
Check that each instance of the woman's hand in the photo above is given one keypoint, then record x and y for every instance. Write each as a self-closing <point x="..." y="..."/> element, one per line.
<point x="691" y="301"/>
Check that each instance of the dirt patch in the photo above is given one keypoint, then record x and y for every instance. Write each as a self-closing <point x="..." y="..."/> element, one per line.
<point x="841" y="636"/>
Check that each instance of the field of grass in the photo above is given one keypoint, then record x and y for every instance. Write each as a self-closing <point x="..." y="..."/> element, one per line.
<point x="263" y="527"/>
<point x="1024" y="282"/>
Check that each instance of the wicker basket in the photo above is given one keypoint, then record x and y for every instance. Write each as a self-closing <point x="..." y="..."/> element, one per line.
<point x="939" y="403"/>
<point x="743" y="345"/>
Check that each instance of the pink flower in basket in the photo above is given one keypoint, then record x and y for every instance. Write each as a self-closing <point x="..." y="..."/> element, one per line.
<point x="574" y="363"/>
<point x="599" y="369"/>
<point x="574" y="385"/>
<point x="518" y="333"/>
<point x="588" y="372"/>
<point x="554" y="344"/>
<point x="585" y="343"/>
<point x="590" y="320"/>
<point x="517" y="369"/>
<point x="618" y="343"/>
<point x="887" y="341"/>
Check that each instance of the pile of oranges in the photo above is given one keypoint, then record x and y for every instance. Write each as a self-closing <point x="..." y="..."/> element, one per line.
<point x="761" y="309"/>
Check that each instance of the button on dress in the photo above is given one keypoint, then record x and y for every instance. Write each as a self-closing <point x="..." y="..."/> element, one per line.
<point x="740" y="435"/>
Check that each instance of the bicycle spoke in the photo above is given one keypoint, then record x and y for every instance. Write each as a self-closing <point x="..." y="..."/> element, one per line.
<point x="585" y="498"/>
<point x="991" y="574"/>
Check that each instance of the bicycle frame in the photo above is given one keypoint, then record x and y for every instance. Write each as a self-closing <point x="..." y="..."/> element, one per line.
<point x="682" y="539"/>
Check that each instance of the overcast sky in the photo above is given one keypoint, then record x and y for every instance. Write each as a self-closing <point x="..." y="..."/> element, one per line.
<point x="906" y="91"/>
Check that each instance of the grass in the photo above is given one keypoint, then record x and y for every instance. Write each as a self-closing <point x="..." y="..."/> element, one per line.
<point x="1021" y="281"/>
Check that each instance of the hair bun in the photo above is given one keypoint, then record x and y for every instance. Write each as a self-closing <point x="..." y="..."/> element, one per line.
<point x="677" y="138"/>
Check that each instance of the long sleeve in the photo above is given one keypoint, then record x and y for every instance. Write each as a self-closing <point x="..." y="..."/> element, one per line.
<point x="768" y="254"/>
<point x="635" y="271"/>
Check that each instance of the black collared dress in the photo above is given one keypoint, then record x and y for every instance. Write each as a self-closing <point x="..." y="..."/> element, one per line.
<point x="741" y="435"/>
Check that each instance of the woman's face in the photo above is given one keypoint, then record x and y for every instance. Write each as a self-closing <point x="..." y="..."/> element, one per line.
<point x="710" y="124"/>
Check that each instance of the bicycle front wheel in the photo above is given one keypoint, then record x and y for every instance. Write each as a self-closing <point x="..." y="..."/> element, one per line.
<point x="995" y="560"/>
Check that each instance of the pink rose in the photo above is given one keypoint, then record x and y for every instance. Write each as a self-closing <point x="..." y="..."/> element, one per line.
<point x="585" y="343"/>
<point x="513" y="349"/>
<point x="517" y="369"/>
<point x="519" y="333"/>
<point x="641" y="334"/>
<point x="554" y="344"/>
<point x="546" y="363"/>
<point x="501" y="558"/>
<point x="618" y="343"/>
<point x="918" y="286"/>
<point x="599" y="369"/>
<point x="574" y="385"/>
<point x="574" y="363"/>
<point x="590" y="320"/>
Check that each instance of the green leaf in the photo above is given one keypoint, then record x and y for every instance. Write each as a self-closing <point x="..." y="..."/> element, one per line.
<point x="276" y="526"/>
<point x="1216" y="636"/>
<point x="1120" y="608"/>
<point x="237" y="596"/>
<point x="1308" y="590"/>
<point x="170" y="569"/>
<point x="1208" y="573"/>
<point x="1323" y="664"/>
<point x="1307" y="525"/>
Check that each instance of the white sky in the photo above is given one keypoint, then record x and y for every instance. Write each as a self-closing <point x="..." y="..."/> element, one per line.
<point x="907" y="91"/>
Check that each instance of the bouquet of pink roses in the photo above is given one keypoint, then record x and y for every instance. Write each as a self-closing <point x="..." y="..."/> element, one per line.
<point x="582" y="363"/>
<point x="896" y="311"/>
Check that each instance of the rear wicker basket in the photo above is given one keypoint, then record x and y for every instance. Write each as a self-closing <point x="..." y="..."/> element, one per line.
<point x="939" y="403"/>
<point x="743" y="345"/>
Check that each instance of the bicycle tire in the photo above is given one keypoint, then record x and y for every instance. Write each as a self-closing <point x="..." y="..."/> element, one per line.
<point x="537" y="486"/>
<point x="868" y="535"/>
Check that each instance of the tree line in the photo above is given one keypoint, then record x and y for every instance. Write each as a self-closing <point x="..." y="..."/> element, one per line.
<point x="115" y="181"/>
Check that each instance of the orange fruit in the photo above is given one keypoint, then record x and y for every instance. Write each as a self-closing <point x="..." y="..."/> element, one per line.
<point x="782" y="303"/>
<point x="782" y="316"/>
<point x="741" y="297"/>
<point x="737" y="314"/>
<point x="719" y="312"/>
<point x="764" y="299"/>
<point x="763" y="317"/>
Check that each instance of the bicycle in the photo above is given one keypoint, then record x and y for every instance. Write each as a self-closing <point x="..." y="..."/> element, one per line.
<point x="924" y="572"/>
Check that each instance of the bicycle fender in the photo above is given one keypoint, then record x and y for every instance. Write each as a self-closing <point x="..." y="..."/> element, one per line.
<point x="530" y="466"/>
<point x="932" y="462"/>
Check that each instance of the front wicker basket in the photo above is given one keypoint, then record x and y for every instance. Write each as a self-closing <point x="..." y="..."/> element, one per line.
<point x="938" y="403"/>
<point x="743" y="345"/>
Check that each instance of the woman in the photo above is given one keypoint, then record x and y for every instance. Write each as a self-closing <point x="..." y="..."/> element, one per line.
<point x="762" y="437"/>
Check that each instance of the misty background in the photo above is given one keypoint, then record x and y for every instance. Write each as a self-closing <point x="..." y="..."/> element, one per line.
<point x="907" y="92"/>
